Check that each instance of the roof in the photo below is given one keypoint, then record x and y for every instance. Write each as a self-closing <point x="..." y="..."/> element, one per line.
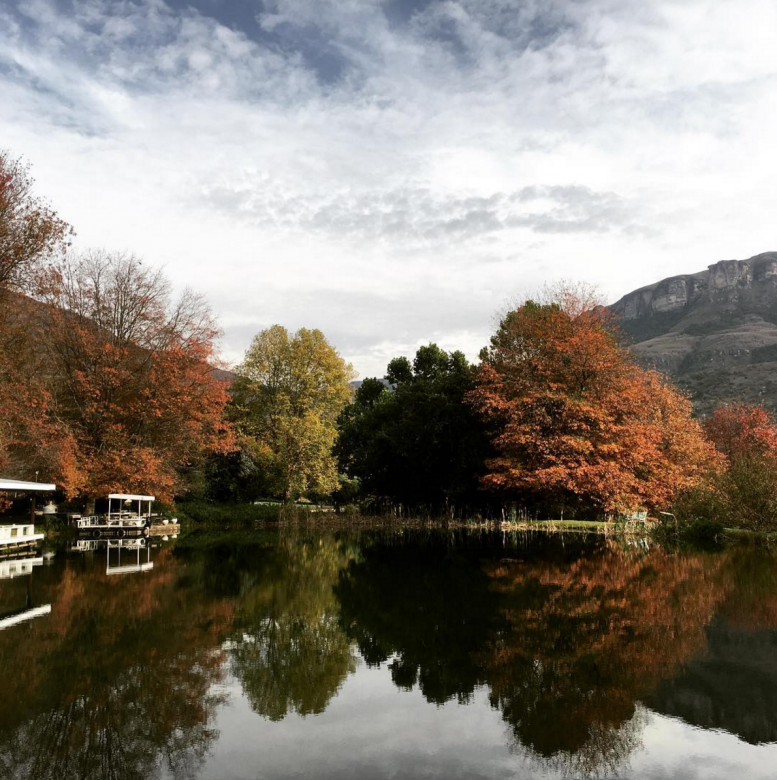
<point x="130" y="497"/>
<point x="15" y="484"/>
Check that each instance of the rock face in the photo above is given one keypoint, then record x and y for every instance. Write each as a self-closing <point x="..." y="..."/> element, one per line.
<point x="714" y="332"/>
<point x="728" y="281"/>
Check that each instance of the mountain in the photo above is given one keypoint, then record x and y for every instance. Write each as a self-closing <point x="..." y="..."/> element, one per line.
<point x="714" y="332"/>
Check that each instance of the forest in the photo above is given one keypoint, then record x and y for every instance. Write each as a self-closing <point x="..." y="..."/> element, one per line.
<point x="110" y="382"/>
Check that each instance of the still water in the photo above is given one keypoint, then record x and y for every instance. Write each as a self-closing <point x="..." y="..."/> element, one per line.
<point x="384" y="654"/>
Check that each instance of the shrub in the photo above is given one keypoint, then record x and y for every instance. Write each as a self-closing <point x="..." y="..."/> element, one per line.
<point x="225" y="514"/>
<point x="744" y="496"/>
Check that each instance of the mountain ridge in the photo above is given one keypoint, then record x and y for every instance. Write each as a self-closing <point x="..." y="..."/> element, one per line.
<point x="714" y="331"/>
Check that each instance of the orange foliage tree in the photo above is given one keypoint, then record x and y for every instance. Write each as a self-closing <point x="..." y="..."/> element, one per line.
<point x="30" y="231"/>
<point x="31" y="235"/>
<point x="575" y="420"/>
<point x="32" y="438"/>
<point x="745" y="494"/>
<point x="742" y="431"/>
<point x="131" y="375"/>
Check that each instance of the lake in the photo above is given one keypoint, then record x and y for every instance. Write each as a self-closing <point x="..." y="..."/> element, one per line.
<point x="389" y="654"/>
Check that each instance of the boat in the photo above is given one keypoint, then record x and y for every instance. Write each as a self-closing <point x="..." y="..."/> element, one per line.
<point x="118" y="521"/>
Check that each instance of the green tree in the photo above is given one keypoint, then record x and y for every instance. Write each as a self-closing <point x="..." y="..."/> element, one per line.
<point x="416" y="443"/>
<point x="287" y="398"/>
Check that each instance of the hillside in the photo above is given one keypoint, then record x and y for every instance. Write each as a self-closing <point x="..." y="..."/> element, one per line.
<point x="28" y="316"/>
<point x="714" y="332"/>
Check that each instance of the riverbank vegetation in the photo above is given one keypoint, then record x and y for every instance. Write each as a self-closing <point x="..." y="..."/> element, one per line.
<point x="110" y="383"/>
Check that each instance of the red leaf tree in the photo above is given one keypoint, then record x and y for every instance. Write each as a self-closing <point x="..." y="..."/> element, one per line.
<point x="30" y="231"/>
<point x="575" y="421"/>
<point x="32" y="438"/>
<point x="742" y="431"/>
<point x="131" y="375"/>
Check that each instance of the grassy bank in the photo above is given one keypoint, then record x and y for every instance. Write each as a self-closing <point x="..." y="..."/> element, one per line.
<point x="743" y="535"/>
<point x="210" y="514"/>
<point x="206" y="513"/>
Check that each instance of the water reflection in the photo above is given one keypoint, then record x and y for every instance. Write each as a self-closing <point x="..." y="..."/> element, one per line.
<point x="119" y="681"/>
<point x="731" y="684"/>
<point x="12" y="614"/>
<point x="427" y="604"/>
<point x="287" y="648"/>
<point x="572" y="643"/>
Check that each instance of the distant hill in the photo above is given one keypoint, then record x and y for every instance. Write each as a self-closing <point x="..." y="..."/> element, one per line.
<point x="714" y="332"/>
<point x="357" y="383"/>
<point x="17" y="309"/>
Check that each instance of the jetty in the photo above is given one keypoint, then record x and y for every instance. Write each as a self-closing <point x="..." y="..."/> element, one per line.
<point x="20" y="536"/>
<point x="17" y="537"/>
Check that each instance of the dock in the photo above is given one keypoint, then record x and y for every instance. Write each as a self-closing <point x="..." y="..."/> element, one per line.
<point x="159" y="529"/>
<point x="18" y="567"/>
<point x="119" y="522"/>
<point x="17" y="537"/>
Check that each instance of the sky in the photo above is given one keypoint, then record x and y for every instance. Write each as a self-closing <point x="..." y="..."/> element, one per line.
<point x="395" y="172"/>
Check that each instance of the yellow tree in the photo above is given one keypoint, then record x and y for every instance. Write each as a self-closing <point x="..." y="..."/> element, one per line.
<point x="288" y="395"/>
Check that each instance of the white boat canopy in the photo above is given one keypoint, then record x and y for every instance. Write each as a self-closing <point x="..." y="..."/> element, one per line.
<point x="128" y="497"/>
<point x="15" y="484"/>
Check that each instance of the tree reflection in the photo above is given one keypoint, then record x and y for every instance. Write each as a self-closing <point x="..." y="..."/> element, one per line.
<point x="590" y="637"/>
<point x="117" y="682"/>
<point x="571" y="641"/>
<point x="567" y="641"/>
<point x="732" y="685"/>
<point x="288" y="649"/>
<point x="427" y="605"/>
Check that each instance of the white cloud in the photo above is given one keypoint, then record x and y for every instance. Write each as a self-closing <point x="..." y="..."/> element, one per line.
<point x="395" y="178"/>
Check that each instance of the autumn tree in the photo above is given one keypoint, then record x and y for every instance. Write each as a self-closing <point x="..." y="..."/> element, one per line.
<point x="575" y="421"/>
<point x="744" y="494"/>
<point x="290" y="390"/>
<point x="33" y="439"/>
<point x="30" y="231"/>
<point x="31" y="234"/>
<point x="131" y="375"/>
<point x="742" y="431"/>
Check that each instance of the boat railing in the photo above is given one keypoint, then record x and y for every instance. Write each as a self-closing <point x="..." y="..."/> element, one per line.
<point x="111" y="521"/>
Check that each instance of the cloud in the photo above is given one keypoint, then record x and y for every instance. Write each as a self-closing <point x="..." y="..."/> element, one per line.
<point x="421" y="216"/>
<point x="320" y="163"/>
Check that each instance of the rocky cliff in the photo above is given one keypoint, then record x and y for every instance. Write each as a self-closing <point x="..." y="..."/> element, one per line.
<point x="714" y="331"/>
